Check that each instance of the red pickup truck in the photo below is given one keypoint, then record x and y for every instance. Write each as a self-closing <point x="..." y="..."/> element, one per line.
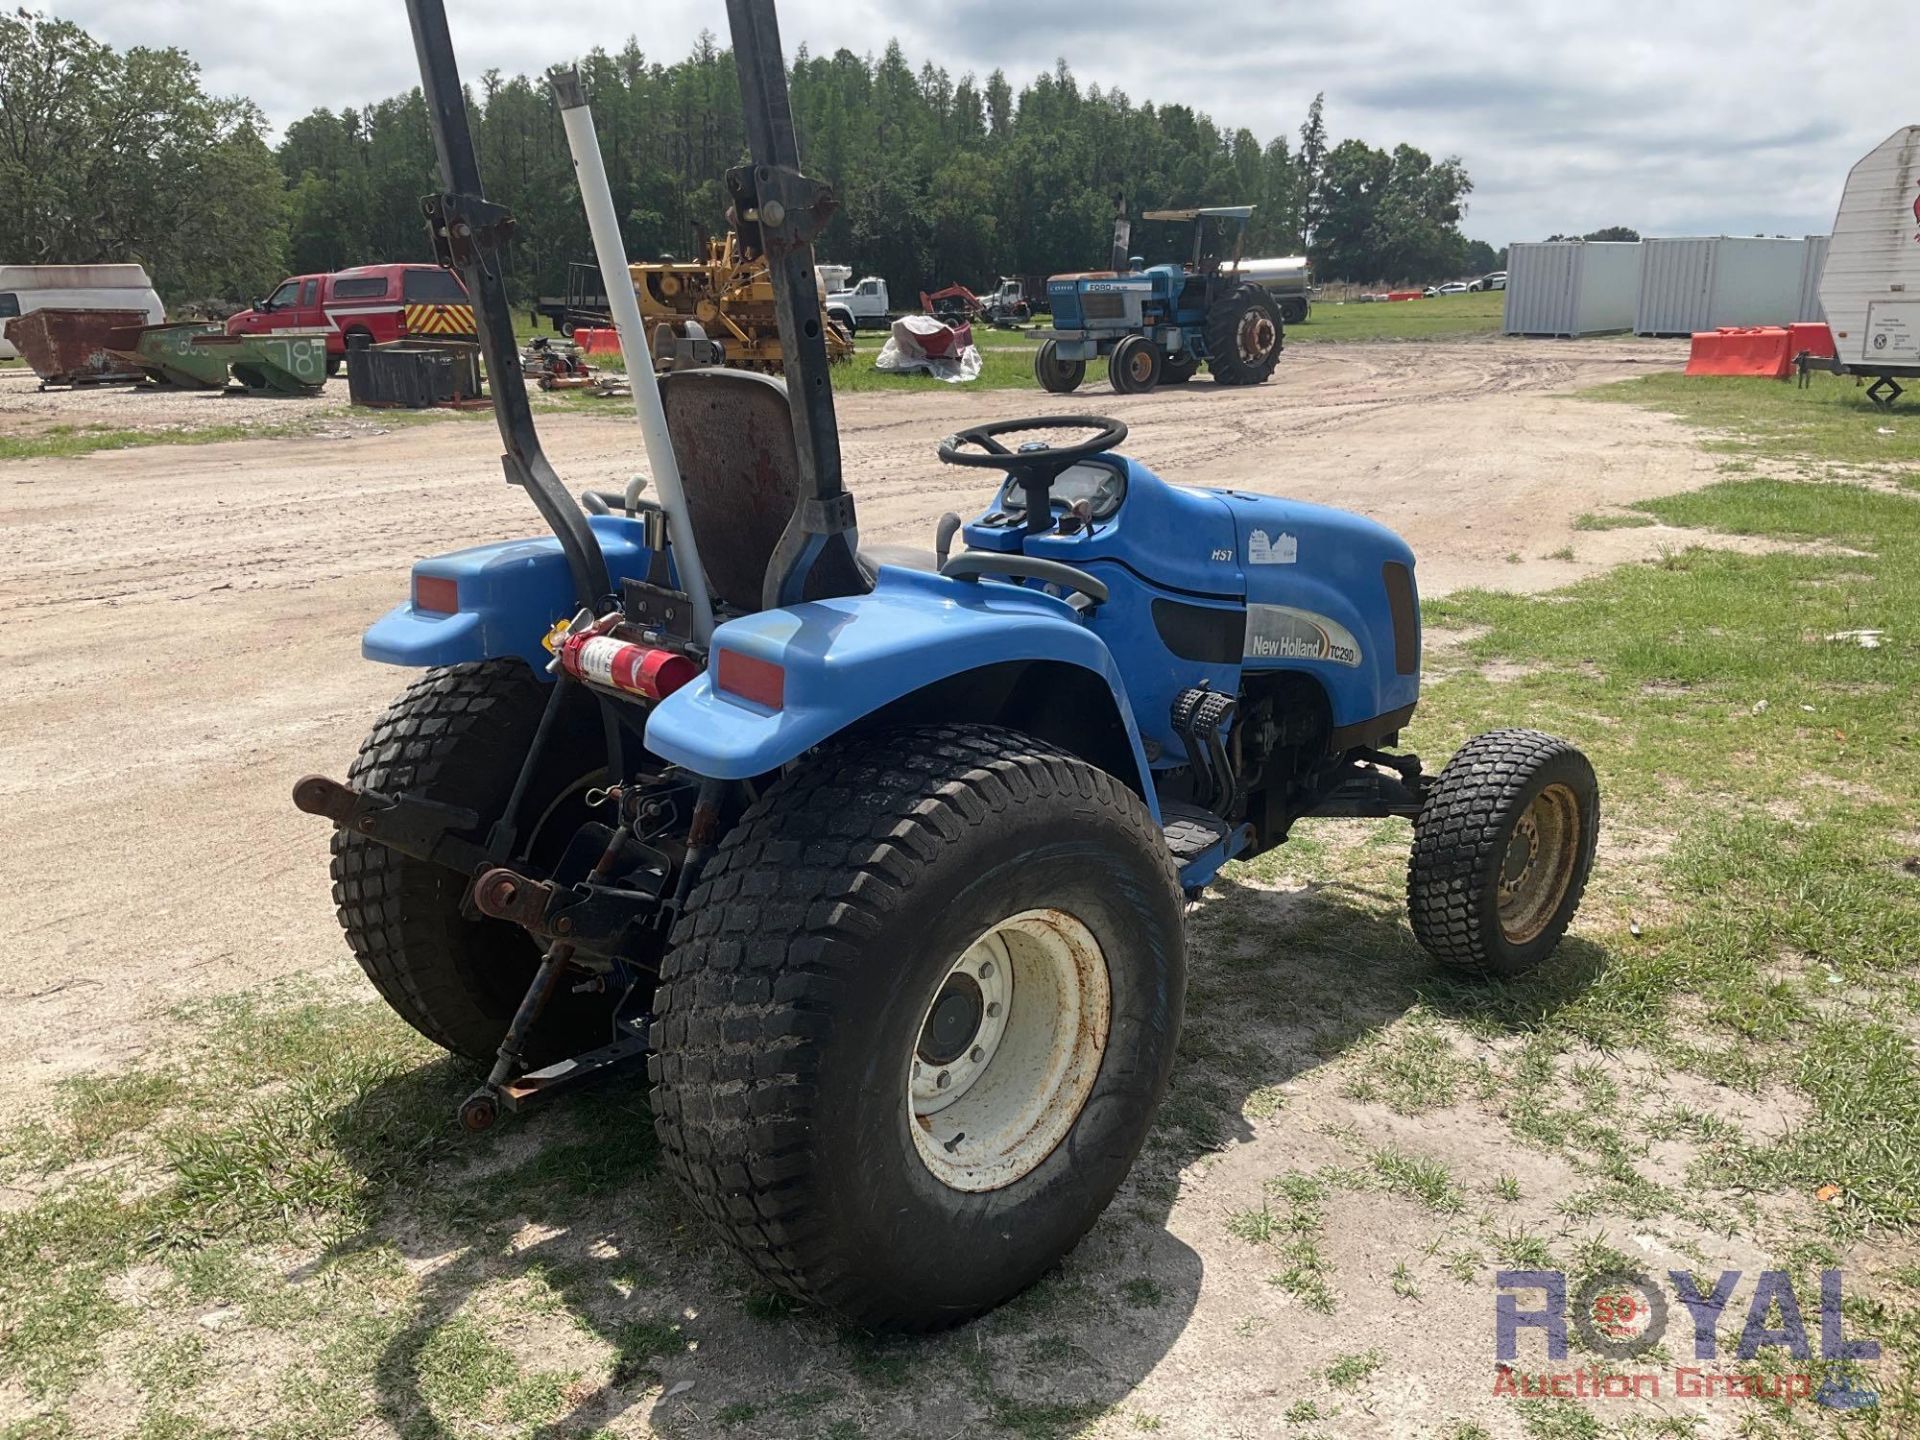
<point x="382" y="302"/>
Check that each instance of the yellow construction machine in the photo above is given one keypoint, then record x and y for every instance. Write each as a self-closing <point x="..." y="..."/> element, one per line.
<point x="729" y="297"/>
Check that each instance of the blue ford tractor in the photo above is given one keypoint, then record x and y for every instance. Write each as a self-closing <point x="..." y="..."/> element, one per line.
<point x="1158" y="325"/>
<point x="878" y="860"/>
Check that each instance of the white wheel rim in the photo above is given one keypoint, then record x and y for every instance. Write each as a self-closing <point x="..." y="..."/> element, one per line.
<point x="1007" y="1050"/>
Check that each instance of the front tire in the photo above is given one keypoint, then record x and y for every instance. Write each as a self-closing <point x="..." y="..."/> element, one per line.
<point x="1501" y="852"/>
<point x="1178" y="367"/>
<point x="1057" y="376"/>
<point x="1135" y="366"/>
<point x="845" y="935"/>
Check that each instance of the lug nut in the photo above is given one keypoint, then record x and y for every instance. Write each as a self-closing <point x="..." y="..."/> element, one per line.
<point x="986" y="969"/>
<point x="993" y="1008"/>
<point x="978" y="1055"/>
<point x="942" y="1079"/>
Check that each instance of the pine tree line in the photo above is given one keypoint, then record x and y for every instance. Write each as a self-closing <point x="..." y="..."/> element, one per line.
<point x="939" y="179"/>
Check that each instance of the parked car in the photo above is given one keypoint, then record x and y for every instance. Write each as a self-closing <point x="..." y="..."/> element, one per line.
<point x="382" y="302"/>
<point x="26" y="288"/>
<point x="865" y="304"/>
<point x="1495" y="281"/>
<point x="1452" y="287"/>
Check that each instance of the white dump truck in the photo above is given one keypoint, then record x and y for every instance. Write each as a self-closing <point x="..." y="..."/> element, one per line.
<point x="26" y="288"/>
<point x="863" y="304"/>
<point x="1870" y="285"/>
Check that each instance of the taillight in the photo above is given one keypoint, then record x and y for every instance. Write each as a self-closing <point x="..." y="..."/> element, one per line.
<point x="439" y="593"/>
<point x="761" y="681"/>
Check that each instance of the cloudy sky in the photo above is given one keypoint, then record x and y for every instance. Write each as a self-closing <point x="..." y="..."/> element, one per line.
<point x="1677" y="117"/>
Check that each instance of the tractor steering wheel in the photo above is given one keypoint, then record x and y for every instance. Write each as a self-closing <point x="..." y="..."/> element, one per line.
<point x="1033" y="469"/>
<point x="993" y="455"/>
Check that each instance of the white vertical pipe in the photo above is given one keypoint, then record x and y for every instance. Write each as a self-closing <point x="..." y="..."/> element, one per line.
<point x="617" y="281"/>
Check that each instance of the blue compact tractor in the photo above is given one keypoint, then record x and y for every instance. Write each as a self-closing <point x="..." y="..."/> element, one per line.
<point x="877" y="859"/>
<point x="1157" y="325"/>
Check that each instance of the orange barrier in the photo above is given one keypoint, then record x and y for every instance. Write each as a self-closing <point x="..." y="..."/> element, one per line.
<point x="597" y="340"/>
<point x="1810" y="338"/>
<point x="1760" y="350"/>
<point x="1405" y="294"/>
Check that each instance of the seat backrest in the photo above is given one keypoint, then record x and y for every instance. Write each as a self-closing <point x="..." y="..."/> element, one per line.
<point x="733" y="436"/>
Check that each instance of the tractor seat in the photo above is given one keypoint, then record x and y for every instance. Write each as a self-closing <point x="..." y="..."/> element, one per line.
<point x="733" y="436"/>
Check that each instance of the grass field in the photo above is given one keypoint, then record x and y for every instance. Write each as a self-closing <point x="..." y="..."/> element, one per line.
<point x="1830" y="423"/>
<point x="1445" y="317"/>
<point x="269" y="1227"/>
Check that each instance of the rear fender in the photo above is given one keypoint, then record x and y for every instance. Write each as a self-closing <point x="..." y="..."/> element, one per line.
<point x="918" y="638"/>
<point x="509" y="596"/>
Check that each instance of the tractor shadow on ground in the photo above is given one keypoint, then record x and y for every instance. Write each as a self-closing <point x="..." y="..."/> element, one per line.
<point x="563" y="1220"/>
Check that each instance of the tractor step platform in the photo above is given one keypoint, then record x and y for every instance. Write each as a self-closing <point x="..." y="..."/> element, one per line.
<point x="1200" y="841"/>
<point x="1191" y="831"/>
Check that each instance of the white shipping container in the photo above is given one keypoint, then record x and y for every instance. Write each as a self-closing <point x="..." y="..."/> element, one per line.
<point x="1871" y="284"/>
<point x="1571" y="287"/>
<point x="1815" y="262"/>
<point x="1694" y="283"/>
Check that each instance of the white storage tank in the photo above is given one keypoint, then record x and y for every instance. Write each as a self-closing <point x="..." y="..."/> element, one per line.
<point x="1571" y="287"/>
<point x="1696" y="283"/>
<point x="1810" y="268"/>
<point x="1871" y="284"/>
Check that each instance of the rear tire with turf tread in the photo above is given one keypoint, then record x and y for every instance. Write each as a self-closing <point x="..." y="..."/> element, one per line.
<point x="1463" y="843"/>
<point x="793" y="996"/>
<point x="1245" y="335"/>
<point x="458" y="735"/>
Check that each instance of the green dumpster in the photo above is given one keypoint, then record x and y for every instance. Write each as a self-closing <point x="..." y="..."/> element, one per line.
<point x="281" y="362"/>
<point x="172" y="355"/>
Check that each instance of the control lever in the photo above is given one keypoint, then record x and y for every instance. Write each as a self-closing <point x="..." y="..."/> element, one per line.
<point x="943" y="534"/>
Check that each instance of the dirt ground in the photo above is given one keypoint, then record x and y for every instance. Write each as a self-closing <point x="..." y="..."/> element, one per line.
<point x="181" y="632"/>
<point x="180" y="624"/>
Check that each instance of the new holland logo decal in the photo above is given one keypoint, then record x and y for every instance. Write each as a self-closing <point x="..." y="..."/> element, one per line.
<point x="1280" y="632"/>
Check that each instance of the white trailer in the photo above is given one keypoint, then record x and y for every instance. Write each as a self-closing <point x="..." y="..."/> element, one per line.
<point x="1870" y="286"/>
<point x="26" y="288"/>
<point x="1571" y="287"/>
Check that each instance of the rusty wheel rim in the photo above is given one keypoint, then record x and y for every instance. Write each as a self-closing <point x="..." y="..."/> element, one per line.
<point x="1538" y="866"/>
<point x="1008" y="1049"/>
<point x="1140" y="367"/>
<point x="1256" y="336"/>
